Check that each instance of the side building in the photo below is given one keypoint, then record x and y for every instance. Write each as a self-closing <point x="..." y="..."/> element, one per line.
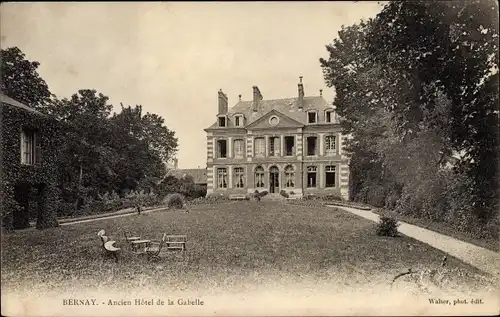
<point x="30" y="141"/>
<point x="291" y="144"/>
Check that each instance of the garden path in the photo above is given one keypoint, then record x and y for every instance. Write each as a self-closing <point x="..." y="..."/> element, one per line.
<point x="481" y="258"/>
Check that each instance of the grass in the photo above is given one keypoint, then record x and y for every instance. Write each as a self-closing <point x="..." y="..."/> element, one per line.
<point x="235" y="245"/>
<point x="443" y="228"/>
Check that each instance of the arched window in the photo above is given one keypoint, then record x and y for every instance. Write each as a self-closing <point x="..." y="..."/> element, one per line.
<point x="259" y="177"/>
<point x="289" y="176"/>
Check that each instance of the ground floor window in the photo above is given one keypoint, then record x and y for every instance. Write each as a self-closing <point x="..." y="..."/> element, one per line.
<point x="222" y="177"/>
<point x="259" y="177"/>
<point x="330" y="176"/>
<point x="289" y="176"/>
<point x="311" y="176"/>
<point x="239" y="177"/>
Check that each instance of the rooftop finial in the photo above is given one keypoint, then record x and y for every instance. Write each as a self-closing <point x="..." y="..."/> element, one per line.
<point x="321" y="92"/>
<point x="300" y="78"/>
<point x="239" y="96"/>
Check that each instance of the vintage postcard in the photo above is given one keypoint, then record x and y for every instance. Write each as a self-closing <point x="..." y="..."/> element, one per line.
<point x="250" y="158"/>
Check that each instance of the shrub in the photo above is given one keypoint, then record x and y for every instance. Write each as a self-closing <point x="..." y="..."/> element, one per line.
<point x="175" y="200"/>
<point x="292" y="193"/>
<point x="332" y="197"/>
<point x="388" y="227"/>
<point x="284" y="193"/>
<point x="310" y="197"/>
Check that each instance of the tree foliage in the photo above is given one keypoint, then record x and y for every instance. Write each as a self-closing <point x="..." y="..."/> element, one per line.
<point x="417" y="90"/>
<point x="20" y="79"/>
<point x="97" y="151"/>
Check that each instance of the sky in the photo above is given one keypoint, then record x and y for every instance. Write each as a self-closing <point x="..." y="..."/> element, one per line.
<point x="173" y="57"/>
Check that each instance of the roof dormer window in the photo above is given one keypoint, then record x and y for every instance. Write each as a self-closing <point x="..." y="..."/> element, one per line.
<point x="239" y="120"/>
<point x="329" y="116"/>
<point x="222" y="121"/>
<point x="312" y="117"/>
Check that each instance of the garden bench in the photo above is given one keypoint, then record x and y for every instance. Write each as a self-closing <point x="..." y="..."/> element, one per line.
<point x="108" y="245"/>
<point x="238" y="197"/>
<point x="176" y="242"/>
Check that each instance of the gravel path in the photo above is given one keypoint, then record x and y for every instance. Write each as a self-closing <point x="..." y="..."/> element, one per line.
<point x="484" y="259"/>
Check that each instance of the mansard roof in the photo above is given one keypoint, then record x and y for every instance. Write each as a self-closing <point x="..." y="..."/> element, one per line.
<point x="286" y="106"/>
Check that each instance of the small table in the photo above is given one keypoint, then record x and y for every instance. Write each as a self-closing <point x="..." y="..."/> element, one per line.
<point x="137" y="243"/>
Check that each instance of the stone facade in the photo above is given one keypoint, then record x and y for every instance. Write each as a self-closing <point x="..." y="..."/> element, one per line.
<point x="292" y="144"/>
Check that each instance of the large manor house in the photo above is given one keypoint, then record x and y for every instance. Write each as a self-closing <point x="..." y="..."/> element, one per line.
<point x="291" y="144"/>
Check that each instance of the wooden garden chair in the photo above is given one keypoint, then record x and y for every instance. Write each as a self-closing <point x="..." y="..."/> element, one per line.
<point x="108" y="245"/>
<point x="153" y="248"/>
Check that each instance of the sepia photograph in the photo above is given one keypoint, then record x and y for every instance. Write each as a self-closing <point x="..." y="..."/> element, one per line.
<point x="266" y="158"/>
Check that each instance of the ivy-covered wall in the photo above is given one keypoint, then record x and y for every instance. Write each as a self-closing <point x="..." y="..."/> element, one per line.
<point x="42" y="176"/>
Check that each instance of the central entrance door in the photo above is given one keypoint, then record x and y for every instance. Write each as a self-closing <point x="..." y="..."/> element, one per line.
<point x="274" y="180"/>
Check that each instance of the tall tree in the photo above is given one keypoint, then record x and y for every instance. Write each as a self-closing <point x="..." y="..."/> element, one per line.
<point x="414" y="85"/>
<point x="452" y="46"/>
<point x="20" y="79"/>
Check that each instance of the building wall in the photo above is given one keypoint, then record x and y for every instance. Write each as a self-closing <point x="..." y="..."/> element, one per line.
<point x="299" y="160"/>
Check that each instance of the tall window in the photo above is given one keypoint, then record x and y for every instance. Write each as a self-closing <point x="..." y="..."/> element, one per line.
<point x="28" y="147"/>
<point x="311" y="145"/>
<point x="311" y="176"/>
<point x="259" y="177"/>
<point x="260" y="147"/>
<point x="289" y="145"/>
<point x="330" y="176"/>
<point x="221" y="148"/>
<point x="238" y="148"/>
<point x="289" y="176"/>
<point x="239" y="177"/>
<point x="329" y="116"/>
<point x="274" y="146"/>
<point x="222" y="177"/>
<point x="330" y="144"/>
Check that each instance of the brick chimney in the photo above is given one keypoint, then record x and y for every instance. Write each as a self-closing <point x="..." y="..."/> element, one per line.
<point x="301" y="93"/>
<point x="222" y="102"/>
<point x="257" y="97"/>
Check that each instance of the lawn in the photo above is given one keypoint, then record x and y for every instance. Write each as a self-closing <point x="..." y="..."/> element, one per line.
<point x="231" y="246"/>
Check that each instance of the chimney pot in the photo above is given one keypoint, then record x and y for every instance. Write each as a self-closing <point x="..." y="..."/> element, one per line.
<point x="321" y="92"/>
<point x="300" y="78"/>
<point x="239" y="96"/>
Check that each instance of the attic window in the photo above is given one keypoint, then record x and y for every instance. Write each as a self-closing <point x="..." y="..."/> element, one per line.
<point x="222" y="121"/>
<point x="329" y="116"/>
<point x="238" y="120"/>
<point x="312" y="117"/>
